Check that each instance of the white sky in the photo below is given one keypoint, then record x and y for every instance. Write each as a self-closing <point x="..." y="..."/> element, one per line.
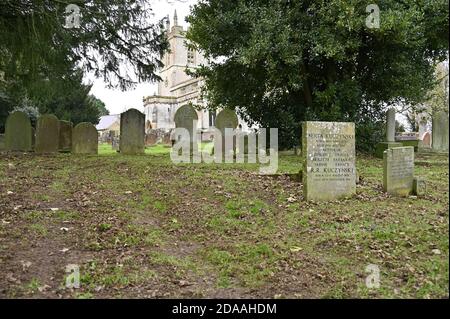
<point x="117" y="101"/>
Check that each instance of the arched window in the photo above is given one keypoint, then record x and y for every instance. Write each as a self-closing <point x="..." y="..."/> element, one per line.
<point x="212" y="118"/>
<point x="191" y="56"/>
<point x="155" y="115"/>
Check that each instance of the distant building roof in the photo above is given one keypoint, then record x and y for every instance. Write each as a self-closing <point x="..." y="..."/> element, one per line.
<point x="106" y="121"/>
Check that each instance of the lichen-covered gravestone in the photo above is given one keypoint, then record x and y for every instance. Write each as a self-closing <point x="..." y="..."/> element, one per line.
<point x="184" y="118"/>
<point x="440" y="132"/>
<point x="65" y="136"/>
<point x="18" y="132"/>
<point x="226" y="119"/>
<point x="398" y="170"/>
<point x="47" y="134"/>
<point x="132" y="132"/>
<point x="85" y="139"/>
<point x="329" y="170"/>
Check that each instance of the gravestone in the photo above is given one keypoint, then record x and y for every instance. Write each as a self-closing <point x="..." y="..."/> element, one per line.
<point x="184" y="118"/>
<point x="115" y="143"/>
<point x="85" y="139"/>
<point x="47" y="134"/>
<point x="151" y="138"/>
<point x="419" y="186"/>
<point x="18" y="132"/>
<point x="65" y="136"/>
<point x="166" y="138"/>
<point x="329" y="170"/>
<point x="440" y="132"/>
<point x="132" y="133"/>
<point x="390" y="135"/>
<point x="398" y="170"/>
<point x="226" y="119"/>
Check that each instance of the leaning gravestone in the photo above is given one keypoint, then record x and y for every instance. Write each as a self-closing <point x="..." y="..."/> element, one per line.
<point x="47" y="134"/>
<point x="184" y="118"/>
<point x="132" y="132"/>
<point x="226" y="119"/>
<point x="440" y="132"/>
<point x="65" y="136"/>
<point x="85" y="139"/>
<point x="329" y="170"/>
<point x="18" y="132"/>
<point x="398" y="170"/>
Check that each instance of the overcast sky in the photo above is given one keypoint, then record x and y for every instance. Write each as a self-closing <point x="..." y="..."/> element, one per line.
<point x="117" y="101"/>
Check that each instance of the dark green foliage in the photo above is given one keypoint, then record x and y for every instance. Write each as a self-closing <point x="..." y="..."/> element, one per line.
<point x="42" y="60"/>
<point x="283" y="62"/>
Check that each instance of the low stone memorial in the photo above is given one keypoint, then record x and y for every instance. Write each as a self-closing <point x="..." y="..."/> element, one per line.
<point x="398" y="170"/>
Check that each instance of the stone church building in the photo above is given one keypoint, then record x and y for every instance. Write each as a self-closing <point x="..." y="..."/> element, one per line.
<point x="177" y="88"/>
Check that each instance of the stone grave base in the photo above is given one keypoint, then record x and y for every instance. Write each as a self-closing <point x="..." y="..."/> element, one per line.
<point x="381" y="147"/>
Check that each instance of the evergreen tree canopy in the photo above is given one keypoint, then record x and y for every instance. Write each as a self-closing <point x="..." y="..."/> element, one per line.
<point x="282" y="62"/>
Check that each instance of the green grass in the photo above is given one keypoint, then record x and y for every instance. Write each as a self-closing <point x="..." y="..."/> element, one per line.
<point x="221" y="227"/>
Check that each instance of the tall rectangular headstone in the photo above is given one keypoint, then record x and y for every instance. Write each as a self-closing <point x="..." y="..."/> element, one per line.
<point x="440" y="132"/>
<point x="47" y="134"/>
<point x="18" y="132"/>
<point x="85" y="139"/>
<point x="398" y="170"/>
<point x="132" y="132"/>
<point x="390" y="135"/>
<point x="329" y="170"/>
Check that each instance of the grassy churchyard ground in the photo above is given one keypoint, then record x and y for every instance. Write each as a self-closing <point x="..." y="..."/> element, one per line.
<point x="142" y="227"/>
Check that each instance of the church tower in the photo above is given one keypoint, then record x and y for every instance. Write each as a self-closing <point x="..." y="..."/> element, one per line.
<point x="177" y="60"/>
<point x="176" y="88"/>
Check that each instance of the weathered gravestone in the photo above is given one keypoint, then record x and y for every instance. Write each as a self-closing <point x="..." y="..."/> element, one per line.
<point x="18" y="132"/>
<point x="47" y="134"/>
<point x="398" y="170"/>
<point x="115" y="143"/>
<point x="226" y="119"/>
<point x="440" y="132"/>
<point x="151" y="138"/>
<point x="85" y="139"/>
<point x="390" y="135"/>
<point x="329" y="170"/>
<point x="184" y="118"/>
<point x="65" y="136"/>
<point x="419" y="186"/>
<point x="132" y="132"/>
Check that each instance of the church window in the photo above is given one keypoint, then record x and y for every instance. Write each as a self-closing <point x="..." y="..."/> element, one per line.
<point x="212" y="118"/>
<point x="191" y="56"/>
<point x="155" y="115"/>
